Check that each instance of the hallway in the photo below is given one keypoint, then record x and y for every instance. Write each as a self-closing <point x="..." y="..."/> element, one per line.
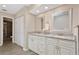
<point x="9" y="48"/>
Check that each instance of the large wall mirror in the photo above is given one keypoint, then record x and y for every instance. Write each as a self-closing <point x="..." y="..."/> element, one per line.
<point x="63" y="21"/>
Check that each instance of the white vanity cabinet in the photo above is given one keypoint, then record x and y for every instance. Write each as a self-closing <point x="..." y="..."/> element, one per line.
<point x="60" y="47"/>
<point x="44" y="45"/>
<point x="37" y="44"/>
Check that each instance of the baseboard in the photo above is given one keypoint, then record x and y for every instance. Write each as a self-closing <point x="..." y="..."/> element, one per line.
<point x="18" y="44"/>
<point x="13" y="42"/>
<point x="24" y="49"/>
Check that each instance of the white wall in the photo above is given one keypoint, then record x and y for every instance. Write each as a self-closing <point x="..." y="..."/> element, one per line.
<point x="38" y="24"/>
<point x="49" y="18"/>
<point x="29" y="24"/>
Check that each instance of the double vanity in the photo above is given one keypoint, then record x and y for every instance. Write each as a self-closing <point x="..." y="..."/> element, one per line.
<point x="66" y="43"/>
<point x="52" y="43"/>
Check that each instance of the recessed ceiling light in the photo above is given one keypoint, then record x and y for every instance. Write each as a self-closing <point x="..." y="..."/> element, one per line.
<point x="46" y="7"/>
<point x="37" y="11"/>
<point x="3" y="5"/>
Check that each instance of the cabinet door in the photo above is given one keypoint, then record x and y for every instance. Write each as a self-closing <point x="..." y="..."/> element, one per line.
<point x="52" y="50"/>
<point x="33" y="43"/>
<point x="51" y="45"/>
<point x="67" y="47"/>
<point x="35" y="39"/>
<point x="66" y="51"/>
<point x="30" y="42"/>
<point x="41" y="46"/>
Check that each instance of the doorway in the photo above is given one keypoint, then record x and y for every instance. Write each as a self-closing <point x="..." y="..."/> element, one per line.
<point x="7" y="30"/>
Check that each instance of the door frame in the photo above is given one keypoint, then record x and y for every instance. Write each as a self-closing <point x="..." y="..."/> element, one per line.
<point x="1" y="30"/>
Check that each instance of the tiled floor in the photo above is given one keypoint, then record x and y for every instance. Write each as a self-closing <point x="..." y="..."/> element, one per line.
<point x="9" y="48"/>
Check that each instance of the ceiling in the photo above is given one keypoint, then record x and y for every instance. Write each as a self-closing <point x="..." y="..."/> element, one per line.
<point x="43" y="8"/>
<point x="12" y="8"/>
<point x="37" y="8"/>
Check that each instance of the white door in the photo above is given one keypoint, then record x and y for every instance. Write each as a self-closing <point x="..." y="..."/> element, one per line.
<point x="19" y="31"/>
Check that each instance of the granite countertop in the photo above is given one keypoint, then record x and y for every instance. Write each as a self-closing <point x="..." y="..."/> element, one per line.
<point x="51" y="35"/>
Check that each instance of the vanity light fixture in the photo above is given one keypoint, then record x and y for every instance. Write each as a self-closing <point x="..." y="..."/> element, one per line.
<point x="4" y="6"/>
<point x="3" y="9"/>
<point x="46" y="7"/>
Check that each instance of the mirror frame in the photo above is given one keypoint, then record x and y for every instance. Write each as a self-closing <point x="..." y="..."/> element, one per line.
<point x="70" y="12"/>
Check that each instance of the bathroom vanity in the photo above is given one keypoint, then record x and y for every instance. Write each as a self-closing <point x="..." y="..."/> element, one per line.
<point x="52" y="44"/>
<point x="63" y="42"/>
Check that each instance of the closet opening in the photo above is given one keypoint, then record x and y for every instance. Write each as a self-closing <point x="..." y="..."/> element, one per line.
<point x="7" y="30"/>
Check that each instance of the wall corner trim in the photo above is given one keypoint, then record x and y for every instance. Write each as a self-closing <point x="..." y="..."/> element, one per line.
<point x="1" y="44"/>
